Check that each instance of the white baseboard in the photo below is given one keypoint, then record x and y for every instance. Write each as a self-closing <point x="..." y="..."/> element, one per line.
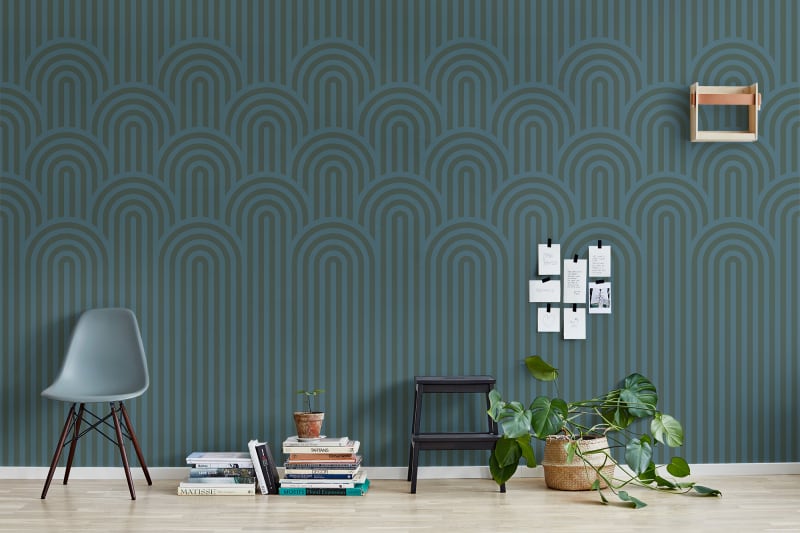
<point x="388" y="472"/>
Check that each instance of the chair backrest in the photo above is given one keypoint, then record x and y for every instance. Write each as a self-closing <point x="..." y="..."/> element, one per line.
<point x="105" y="359"/>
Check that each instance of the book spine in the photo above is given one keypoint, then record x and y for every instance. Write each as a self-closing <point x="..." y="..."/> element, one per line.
<point x="216" y="491"/>
<point x="291" y="474"/>
<point x="220" y="480"/>
<point x="273" y="470"/>
<point x="261" y="471"/>
<point x="322" y="457"/>
<point x="320" y="450"/>
<point x="355" y="491"/>
<point x="248" y="465"/>
<point x="221" y="472"/>
<point x="268" y="466"/>
<point x="309" y="484"/>
<point x="338" y="468"/>
<point x="293" y="491"/>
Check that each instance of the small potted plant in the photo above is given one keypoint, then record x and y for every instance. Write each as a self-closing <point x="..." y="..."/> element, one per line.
<point x="581" y="439"/>
<point x="309" y="422"/>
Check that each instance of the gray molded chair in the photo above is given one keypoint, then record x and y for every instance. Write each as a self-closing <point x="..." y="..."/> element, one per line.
<point x="105" y="362"/>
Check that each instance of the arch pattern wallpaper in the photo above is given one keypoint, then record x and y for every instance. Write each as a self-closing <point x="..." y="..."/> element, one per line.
<point x="345" y="194"/>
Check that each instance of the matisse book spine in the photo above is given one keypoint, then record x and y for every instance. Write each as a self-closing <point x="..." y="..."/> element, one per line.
<point x="233" y="490"/>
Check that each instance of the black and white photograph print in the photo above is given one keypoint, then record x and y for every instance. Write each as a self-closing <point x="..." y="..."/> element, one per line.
<point x="600" y="298"/>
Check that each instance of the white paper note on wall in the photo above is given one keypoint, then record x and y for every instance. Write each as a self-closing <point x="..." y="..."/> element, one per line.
<point x="599" y="262"/>
<point x="575" y="281"/>
<point x="550" y="260"/>
<point x="544" y="291"/>
<point x="575" y="323"/>
<point x="549" y="321"/>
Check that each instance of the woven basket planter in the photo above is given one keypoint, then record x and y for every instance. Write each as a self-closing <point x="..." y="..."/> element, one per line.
<point x="576" y="475"/>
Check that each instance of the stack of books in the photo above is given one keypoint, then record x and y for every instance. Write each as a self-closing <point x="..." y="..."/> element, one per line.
<point x="323" y="467"/>
<point x="219" y="474"/>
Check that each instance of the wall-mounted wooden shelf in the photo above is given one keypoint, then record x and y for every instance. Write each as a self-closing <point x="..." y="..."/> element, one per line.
<point x="721" y="95"/>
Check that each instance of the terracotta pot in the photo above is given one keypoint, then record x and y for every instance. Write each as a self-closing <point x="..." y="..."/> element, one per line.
<point x="309" y="425"/>
<point x="575" y="475"/>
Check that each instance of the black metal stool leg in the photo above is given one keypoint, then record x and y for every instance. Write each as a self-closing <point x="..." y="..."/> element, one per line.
<point x="122" y="453"/>
<point x="57" y="454"/>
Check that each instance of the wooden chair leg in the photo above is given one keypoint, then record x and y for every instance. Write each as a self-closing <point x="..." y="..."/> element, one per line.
<point x="135" y="442"/>
<point x="74" y="442"/>
<point x="122" y="453"/>
<point x="410" y="459"/>
<point x="57" y="454"/>
<point x="414" y="469"/>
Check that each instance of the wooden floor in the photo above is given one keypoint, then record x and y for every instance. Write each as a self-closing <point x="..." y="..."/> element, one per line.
<point x="749" y="503"/>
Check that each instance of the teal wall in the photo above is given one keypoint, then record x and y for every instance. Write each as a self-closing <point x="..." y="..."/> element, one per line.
<point x="346" y="194"/>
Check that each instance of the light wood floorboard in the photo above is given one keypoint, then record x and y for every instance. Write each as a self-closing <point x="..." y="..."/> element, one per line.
<point x="749" y="503"/>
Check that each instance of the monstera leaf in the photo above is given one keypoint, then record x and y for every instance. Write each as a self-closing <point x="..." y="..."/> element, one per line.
<point x="539" y="369"/>
<point x="667" y="429"/>
<point x="636" y="398"/>
<point x="547" y="416"/>
<point x="638" y="453"/>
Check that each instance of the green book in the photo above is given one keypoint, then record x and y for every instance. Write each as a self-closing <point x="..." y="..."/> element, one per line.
<point x="359" y="490"/>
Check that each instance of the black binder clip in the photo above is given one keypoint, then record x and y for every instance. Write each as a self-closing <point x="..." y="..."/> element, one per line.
<point x="575" y="258"/>
<point x="549" y="243"/>
<point x="545" y="280"/>
<point x="548" y="308"/>
<point x="574" y="308"/>
<point x="599" y="243"/>
<point x="599" y="282"/>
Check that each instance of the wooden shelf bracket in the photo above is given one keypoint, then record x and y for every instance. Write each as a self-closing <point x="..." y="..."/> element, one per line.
<point x="724" y="95"/>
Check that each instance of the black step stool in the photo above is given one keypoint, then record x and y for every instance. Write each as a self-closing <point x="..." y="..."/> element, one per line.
<point x="449" y="441"/>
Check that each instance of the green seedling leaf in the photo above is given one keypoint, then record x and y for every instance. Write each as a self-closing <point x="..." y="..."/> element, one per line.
<point x="678" y="467"/>
<point x="635" y="502"/>
<point x="705" y="491"/>
<point x="667" y="429"/>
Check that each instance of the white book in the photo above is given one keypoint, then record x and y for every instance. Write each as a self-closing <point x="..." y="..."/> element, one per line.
<point x="324" y="483"/>
<point x="220" y="459"/>
<point x="230" y="490"/>
<point x="262" y="482"/>
<point x="216" y="481"/>
<point x="322" y="441"/>
<point x="321" y="447"/>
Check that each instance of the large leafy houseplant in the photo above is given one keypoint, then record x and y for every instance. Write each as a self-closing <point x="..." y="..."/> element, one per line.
<point x="619" y="415"/>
